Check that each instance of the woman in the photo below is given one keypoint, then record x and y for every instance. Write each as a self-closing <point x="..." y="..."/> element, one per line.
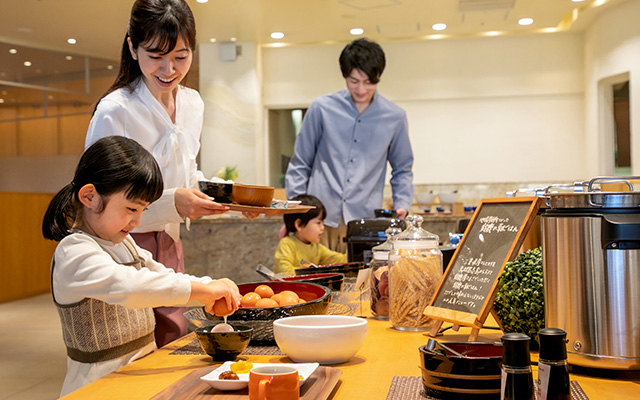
<point x="148" y="104"/>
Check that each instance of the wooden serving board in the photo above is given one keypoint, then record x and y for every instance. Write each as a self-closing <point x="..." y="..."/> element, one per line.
<point x="268" y="210"/>
<point x="317" y="387"/>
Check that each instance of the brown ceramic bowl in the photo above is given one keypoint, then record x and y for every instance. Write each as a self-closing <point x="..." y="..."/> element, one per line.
<point x="252" y="195"/>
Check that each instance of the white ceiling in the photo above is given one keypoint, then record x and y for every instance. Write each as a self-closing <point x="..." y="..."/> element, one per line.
<point x="99" y="25"/>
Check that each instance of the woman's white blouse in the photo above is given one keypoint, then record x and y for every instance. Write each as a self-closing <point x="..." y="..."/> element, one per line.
<point x="140" y="116"/>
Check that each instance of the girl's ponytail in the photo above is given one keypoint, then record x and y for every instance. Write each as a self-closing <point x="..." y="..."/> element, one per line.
<point x="61" y="213"/>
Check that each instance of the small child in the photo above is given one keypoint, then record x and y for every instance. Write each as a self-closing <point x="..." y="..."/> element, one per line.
<point x="307" y="228"/>
<point x="103" y="285"/>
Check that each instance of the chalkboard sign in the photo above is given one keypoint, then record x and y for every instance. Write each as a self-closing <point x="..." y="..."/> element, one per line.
<point x="494" y="235"/>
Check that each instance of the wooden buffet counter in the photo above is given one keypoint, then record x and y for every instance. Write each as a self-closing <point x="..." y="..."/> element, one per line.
<point x="386" y="353"/>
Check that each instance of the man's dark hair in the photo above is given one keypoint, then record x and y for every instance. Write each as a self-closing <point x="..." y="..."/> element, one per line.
<point x="306" y="200"/>
<point x="365" y="55"/>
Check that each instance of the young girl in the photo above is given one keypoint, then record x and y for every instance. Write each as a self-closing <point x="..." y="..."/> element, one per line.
<point x="305" y="244"/>
<point x="103" y="284"/>
<point x="147" y="103"/>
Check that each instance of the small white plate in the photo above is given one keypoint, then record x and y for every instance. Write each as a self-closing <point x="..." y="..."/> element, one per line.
<point x="304" y="370"/>
<point x="293" y="203"/>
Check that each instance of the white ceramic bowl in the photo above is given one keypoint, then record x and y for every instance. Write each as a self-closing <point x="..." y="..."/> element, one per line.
<point x="325" y="339"/>
<point x="448" y="197"/>
<point x="425" y="198"/>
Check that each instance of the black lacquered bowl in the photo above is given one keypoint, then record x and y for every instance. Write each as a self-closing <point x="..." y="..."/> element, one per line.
<point x="475" y="377"/>
<point x="349" y="269"/>
<point x="332" y="280"/>
<point x="261" y="319"/>
<point x="224" y="346"/>
<point x="221" y="192"/>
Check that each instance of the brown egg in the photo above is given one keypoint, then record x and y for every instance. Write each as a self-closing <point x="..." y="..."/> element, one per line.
<point x="266" y="303"/>
<point x="249" y="300"/>
<point x="277" y="297"/>
<point x="288" y="299"/>
<point x="264" y="291"/>
<point x="290" y="293"/>
<point x="220" y="308"/>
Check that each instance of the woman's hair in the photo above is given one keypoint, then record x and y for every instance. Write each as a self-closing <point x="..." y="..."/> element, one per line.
<point x="306" y="200"/>
<point x="365" y="55"/>
<point x="112" y="164"/>
<point x="153" y="22"/>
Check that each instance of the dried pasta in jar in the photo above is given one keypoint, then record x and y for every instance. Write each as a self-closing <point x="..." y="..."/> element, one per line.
<point x="415" y="270"/>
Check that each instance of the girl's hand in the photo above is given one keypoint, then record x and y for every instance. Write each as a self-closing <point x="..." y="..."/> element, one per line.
<point x="192" y="203"/>
<point x="215" y="290"/>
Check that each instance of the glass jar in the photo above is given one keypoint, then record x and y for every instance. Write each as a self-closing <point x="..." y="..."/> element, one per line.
<point x="415" y="270"/>
<point x="380" y="276"/>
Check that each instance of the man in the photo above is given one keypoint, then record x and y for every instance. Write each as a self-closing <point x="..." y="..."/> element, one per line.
<point x="345" y="142"/>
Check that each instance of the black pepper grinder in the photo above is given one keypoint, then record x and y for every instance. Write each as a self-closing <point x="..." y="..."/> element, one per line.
<point x="517" y="379"/>
<point x="553" y="371"/>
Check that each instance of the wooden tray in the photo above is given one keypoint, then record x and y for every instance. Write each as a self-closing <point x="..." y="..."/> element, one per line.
<point x="317" y="387"/>
<point x="268" y="210"/>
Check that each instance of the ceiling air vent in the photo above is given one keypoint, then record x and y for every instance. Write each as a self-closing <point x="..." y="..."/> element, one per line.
<point x="484" y="5"/>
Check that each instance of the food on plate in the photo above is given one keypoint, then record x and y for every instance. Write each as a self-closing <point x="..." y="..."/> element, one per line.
<point x="266" y="303"/>
<point x="241" y="367"/>
<point x="220" y="308"/>
<point x="229" y="375"/>
<point x="250" y="299"/>
<point x="264" y="291"/>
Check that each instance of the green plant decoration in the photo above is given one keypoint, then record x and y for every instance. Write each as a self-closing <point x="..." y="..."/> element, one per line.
<point x="519" y="302"/>
<point x="228" y="173"/>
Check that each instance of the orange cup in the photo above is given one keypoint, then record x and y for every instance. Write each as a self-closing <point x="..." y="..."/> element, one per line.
<point x="274" y="383"/>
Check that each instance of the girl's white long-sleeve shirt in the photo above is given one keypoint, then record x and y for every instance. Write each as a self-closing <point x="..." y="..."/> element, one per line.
<point x="88" y="267"/>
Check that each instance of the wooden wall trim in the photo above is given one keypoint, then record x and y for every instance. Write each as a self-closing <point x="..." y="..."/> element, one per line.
<point x="25" y="256"/>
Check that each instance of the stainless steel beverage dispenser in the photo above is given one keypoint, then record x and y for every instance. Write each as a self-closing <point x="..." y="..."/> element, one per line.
<point x="591" y="256"/>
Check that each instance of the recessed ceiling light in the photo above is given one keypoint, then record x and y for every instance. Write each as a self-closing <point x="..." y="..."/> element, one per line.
<point x="577" y="1"/>
<point x="277" y="35"/>
<point x="233" y="39"/>
<point x="213" y="40"/>
<point x="13" y="51"/>
<point x="68" y="58"/>
<point x="1" y="101"/>
<point x="525" y="21"/>
<point x="356" y="31"/>
<point x="50" y="97"/>
<point x="27" y="63"/>
<point x="71" y="41"/>
<point x="109" y="67"/>
<point x="439" y="27"/>
<point x="202" y="1"/>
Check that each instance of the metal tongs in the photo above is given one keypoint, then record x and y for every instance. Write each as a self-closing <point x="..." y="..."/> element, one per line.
<point x="432" y="344"/>
<point x="267" y="273"/>
<point x="308" y="264"/>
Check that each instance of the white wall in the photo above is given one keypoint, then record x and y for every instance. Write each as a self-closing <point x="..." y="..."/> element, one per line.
<point x="612" y="48"/>
<point x="231" y="92"/>
<point x="489" y="109"/>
